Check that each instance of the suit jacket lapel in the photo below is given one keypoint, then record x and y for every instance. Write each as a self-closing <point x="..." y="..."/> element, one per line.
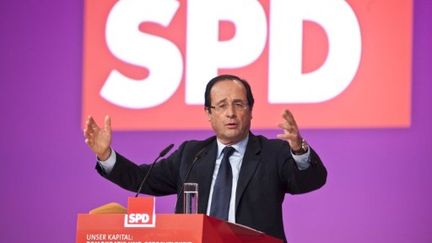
<point x="248" y="167"/>
<point x="205" y="167"/>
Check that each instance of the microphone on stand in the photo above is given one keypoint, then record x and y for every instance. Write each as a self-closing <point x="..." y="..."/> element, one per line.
<point x="196" y="158"/>
<point x="161" y="154"/>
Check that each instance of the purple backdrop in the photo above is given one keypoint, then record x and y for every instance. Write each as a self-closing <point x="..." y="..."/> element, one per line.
<point x="379" y="184"/>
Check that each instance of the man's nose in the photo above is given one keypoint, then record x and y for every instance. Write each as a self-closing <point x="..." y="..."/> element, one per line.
<point x="230" y="111"/>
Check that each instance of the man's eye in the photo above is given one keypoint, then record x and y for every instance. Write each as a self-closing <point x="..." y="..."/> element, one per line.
<point x="223" y="106"/>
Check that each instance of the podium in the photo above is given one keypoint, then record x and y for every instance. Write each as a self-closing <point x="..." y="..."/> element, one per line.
<point x="167" y="228"/>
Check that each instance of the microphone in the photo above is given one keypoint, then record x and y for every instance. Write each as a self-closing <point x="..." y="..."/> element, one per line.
<point x="196" y="158"/>
<point x="161" y="154"/>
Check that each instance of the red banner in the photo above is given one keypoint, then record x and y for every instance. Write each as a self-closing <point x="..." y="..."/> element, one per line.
<point x="334" y="64"/>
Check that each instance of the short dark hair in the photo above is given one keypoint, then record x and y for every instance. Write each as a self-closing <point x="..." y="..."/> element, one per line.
<point x="213" y="81"/>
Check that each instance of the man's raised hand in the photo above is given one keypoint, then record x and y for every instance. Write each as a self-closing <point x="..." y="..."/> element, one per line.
<point x="97" y="138"/>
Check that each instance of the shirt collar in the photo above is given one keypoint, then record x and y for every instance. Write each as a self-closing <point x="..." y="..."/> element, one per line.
<point x="239" y="147"/>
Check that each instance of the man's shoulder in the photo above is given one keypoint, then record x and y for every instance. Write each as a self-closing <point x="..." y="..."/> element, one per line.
<point x="260" y="143"/>
<point x="264" y="141"/>
<point x="197" y="144"/>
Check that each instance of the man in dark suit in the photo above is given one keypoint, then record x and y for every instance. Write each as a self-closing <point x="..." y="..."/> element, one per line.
<point x="253" y="181"/>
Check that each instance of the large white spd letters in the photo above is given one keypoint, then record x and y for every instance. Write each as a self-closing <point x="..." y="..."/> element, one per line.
<point x="205" y="53"/>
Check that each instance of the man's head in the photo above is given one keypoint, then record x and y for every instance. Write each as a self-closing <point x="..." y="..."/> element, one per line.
<point x="213" y="81"/>
<point x="228" y="103"/>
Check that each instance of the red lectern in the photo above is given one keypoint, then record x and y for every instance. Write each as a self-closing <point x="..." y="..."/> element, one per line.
<point x="167" y="228"/>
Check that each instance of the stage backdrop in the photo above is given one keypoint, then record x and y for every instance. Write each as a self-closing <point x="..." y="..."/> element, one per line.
<point x="379" y="180"/>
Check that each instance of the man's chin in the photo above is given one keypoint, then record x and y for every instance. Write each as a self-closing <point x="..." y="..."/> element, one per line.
<point x="233" y="137"/>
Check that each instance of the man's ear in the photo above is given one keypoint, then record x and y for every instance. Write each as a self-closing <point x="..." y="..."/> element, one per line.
<point x="208" y="112"/>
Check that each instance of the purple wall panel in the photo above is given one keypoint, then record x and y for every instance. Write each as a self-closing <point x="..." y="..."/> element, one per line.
<point x="379" y="180"/>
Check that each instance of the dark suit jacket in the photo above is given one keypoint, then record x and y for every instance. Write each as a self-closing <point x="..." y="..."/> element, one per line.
<point x="268" y="172"/>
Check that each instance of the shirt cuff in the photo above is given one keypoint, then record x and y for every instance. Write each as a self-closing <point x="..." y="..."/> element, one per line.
<point x="302" y="160"/>
<point x="108" y="164"/>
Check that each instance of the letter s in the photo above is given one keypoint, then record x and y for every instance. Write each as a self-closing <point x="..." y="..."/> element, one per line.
<point x="132" y="218"/>
<point x="159" y="55"/>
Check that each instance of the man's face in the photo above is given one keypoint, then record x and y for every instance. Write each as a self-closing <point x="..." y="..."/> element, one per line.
<point x="231" y="117"/>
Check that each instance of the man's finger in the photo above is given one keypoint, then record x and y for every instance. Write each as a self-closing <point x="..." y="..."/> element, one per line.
<point x="107" y="123"/>
<point x="85" y="132"/>
<point x="92" y="124"/>
<point x="286" y="136"/>
<point x="90" y="120"/>
<point x="288" y="127"/>
<point x="284" y="126"/>
<point x="288" y="116"/>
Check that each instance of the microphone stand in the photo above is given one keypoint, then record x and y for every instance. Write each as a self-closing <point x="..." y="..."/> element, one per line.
<point x="162" y="154"/>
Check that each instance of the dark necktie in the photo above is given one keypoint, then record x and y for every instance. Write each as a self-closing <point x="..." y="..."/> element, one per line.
<point x="222" y="187"/>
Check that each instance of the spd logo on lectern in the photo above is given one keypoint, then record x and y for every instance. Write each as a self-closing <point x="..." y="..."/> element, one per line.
<point x="141" y="212"/>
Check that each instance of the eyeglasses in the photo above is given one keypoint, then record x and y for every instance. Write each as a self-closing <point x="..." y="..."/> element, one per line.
<point x="237" y="105"/>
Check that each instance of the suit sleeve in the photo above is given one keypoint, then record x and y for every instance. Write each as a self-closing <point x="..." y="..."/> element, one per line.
<point x="301" y="181"/>
<point x="162" y="180"/>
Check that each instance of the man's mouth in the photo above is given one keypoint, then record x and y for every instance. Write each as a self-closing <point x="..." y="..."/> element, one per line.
<point x="231" y="125"/>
